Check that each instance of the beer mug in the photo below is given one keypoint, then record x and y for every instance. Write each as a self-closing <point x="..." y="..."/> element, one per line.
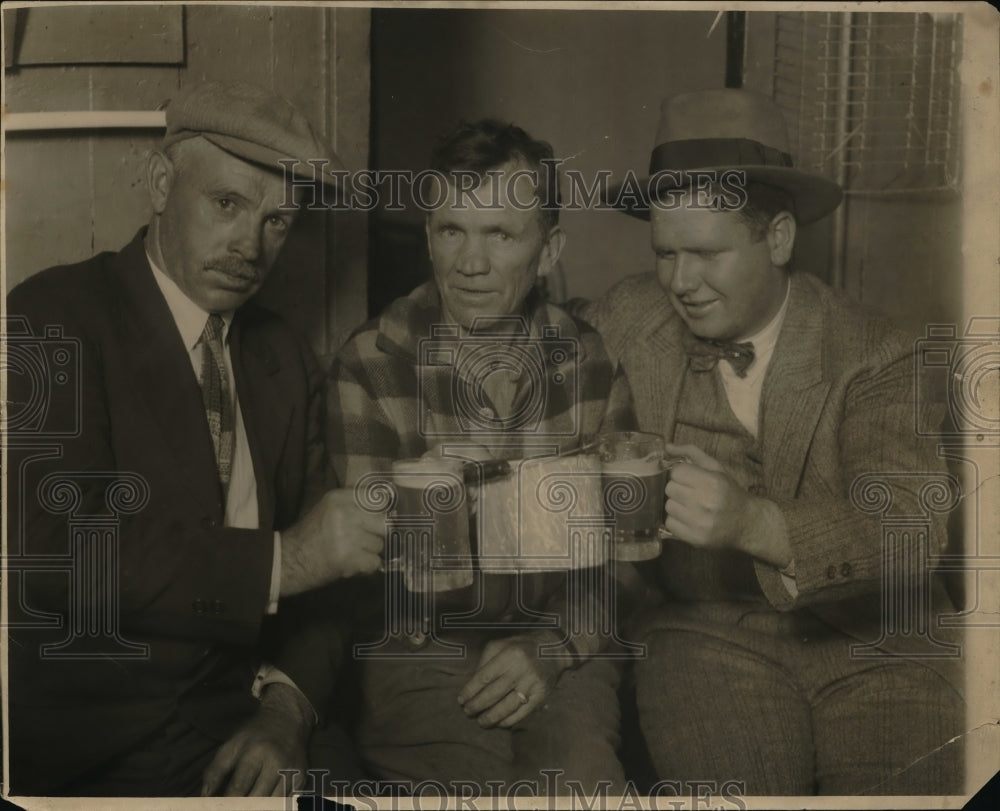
<point x="546" y="515"/>
<point x="428" y="538"/>
<point x="635" y="467"/>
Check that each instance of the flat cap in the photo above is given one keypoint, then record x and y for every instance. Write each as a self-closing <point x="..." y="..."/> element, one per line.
<point x="253" y="124"/>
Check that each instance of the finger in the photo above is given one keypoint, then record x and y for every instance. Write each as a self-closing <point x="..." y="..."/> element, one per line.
<point x="677" y="529"/>
<point x="243" y="777"/>
<point x="684" y="514"/>
<point x="218" y="770"/>
<point x="370" y="543"/>
<point x="369" y="562"/>
<point x="692" y="475"/>
<point x="695" y="454"/>
<point x="535" y="695"/>
<point x="488" y="696"/>
<point x="485" y="672"/>
<point x="522" y="712"/>
<point x="267" y="780"/>
<point x="502" y="709"/>
<point x="373" y="523"/>
<point x="682" y="493"/>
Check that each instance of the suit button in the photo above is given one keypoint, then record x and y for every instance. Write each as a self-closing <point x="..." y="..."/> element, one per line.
<point x="831" y="572"/>
<point x="198" y="606"/>
<point x="218" y="607"/>
<point x="845" y="569"/>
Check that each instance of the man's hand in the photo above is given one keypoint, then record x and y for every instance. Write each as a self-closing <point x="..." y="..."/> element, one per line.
<point x="510" y="681"/>
<point x="335" y="539"/>
<point x="707" y="507"/>
<point x="248" y="764"/>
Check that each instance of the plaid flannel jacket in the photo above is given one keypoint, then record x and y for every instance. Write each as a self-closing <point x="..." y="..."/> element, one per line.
<point x="405" y="383"/>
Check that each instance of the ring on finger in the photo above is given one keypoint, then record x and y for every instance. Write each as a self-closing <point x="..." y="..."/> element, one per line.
<point x="520" y="696"/>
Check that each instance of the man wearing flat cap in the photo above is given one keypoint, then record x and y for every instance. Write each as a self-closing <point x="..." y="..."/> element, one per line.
<point x="771" y="661"/>
<point x="209" y="408"/>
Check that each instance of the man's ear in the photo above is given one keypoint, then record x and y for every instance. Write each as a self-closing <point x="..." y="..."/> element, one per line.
<point x="781" y="238"/>
<point x="551" y="250"/>
<point x="160" y="173"/>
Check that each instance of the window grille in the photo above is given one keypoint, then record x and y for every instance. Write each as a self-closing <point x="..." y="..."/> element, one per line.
<point x="872" y="99"/>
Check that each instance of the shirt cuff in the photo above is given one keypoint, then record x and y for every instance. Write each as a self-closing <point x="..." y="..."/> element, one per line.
<point x="788" y="579"/>
<point x="272" y="599"/>
<point x="269" y="674"/>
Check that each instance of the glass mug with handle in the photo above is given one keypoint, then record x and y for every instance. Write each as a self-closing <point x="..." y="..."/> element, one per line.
<point x="428" y="539"/>
<point x="635" y="468"/>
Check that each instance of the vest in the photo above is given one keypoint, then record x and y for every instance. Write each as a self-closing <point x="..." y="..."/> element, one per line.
<point x="705" y="419"/>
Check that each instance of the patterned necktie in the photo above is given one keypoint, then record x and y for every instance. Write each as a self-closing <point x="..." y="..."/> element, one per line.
<point x="215" y="395"/>
<point x="703" y="355"/>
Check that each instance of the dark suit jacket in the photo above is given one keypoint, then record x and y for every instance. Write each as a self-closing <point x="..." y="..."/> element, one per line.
<point x="190" y="589"/>
<point x="838" y="403"/>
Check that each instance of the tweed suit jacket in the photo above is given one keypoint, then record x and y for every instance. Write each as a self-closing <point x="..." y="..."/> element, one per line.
<point x="190" y="590"/>
<point x="838" y="404"/>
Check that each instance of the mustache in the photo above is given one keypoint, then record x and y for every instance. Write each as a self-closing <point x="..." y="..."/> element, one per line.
<point x="234" y="266"/>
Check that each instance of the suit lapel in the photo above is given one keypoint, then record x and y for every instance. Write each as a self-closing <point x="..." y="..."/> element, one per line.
<point x="164" y="376"/>
<point x="254" y="365"/>
<point x="794" y="391"/>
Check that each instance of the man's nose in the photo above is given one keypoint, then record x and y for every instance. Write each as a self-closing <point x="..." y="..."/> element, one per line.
<point x="473" y="258"/>
<point x="685" y="278"/>
<point x="246" y="241"/>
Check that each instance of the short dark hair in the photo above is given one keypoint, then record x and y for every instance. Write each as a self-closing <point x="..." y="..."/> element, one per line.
<point x="489" y="144"/>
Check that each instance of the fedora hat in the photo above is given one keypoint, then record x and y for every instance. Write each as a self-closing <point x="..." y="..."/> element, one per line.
<point x="720" y="130"/>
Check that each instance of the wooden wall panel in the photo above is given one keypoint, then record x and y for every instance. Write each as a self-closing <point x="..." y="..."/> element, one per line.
<point x="73" y="193"/>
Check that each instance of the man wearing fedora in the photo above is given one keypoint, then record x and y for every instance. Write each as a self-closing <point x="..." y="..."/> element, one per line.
<point x="209" y="409"/>
<point x="769" y="661"/>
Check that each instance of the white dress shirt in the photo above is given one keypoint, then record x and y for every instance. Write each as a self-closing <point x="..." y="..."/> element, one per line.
<point x="744" y="393"/>
<point x="241" y="498"/>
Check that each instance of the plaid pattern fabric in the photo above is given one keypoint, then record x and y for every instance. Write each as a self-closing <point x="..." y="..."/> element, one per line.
<point x="405" y="383"/>
<point x="399" y="387"/>
<point x="217" y="398"/>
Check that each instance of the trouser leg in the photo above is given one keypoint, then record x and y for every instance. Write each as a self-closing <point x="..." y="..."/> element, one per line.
<point x="712" y="710"/>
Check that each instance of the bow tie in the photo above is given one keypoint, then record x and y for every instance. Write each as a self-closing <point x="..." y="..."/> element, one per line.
<point x="703" y="355"/>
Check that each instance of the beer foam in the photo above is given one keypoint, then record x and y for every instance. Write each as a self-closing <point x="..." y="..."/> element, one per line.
<point x="648" y="465"/>
<point x="525" y="517"/>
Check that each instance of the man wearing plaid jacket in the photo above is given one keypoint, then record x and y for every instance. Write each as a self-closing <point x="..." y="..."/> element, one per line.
<point x="501" y="712"/>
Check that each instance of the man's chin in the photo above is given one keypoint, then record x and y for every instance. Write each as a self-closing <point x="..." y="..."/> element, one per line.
<point x="224" y="298"/>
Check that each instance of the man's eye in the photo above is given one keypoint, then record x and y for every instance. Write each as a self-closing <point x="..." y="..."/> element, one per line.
<point x="278" y="223"/>
<point x="708" y="256"/>
<point x="666" y="256"/>
<point x="225" y="203"/>
<point x="501" y="236"/>
<point x="447" y="231"/>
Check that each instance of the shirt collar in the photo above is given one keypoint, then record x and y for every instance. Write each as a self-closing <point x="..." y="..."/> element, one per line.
<point x="189" y="317"/>
<point x="764" y="339"/>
